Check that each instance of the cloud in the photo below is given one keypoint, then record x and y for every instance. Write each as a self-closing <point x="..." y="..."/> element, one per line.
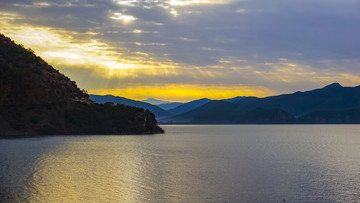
<point x="121" y="17"/>
<point x="196" y="2"/>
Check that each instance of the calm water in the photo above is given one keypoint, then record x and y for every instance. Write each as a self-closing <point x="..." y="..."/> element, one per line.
<point x="235" y="163"/>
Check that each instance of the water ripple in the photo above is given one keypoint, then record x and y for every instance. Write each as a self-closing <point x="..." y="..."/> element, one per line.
<point x="188" y="164"/>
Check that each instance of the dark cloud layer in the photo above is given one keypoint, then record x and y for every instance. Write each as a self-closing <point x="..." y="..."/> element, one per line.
<point x="304" y="30"/>
<point x="320" y="36"/>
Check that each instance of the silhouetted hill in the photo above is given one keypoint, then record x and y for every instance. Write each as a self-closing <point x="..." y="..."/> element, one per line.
<point x="311" y="106"/>
<point x="223" y="112"/>
<point x="35" y="99"/>
<point x="159" y="113"/>
<point x="189" y="106"/>
<point x="331" y="97"/>
<point x="25" y="77"/>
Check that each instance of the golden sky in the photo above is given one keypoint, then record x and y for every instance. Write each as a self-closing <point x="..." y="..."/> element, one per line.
<point x="181" y="50"/>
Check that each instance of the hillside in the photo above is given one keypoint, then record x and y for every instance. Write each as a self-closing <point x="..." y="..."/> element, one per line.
<point x="26" y="78"/>
<point x="36" y="99"/>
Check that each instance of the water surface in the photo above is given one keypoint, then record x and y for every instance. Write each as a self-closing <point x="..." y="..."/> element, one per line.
<point x="204" y="163"/>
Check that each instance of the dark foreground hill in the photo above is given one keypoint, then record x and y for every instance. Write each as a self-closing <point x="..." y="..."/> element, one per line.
<point x="36" y="99"/>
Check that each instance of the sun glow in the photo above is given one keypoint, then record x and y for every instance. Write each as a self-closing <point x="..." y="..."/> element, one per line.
<point x="185" y="92"/>
<point x="122" y="17"/>
<point x="61" y="48"/>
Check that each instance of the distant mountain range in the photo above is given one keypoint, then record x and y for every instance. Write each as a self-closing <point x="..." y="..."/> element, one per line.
<point x="159" y="112"/>
<point x="154" y="101"/>
<point x="162" y="111"/>
<point x="331" y="104"/>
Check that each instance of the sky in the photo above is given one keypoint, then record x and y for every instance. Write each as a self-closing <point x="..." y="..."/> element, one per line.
<point x="181" y="50"/>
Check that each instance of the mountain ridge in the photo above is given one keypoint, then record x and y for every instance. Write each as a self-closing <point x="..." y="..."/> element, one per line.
<point x="303" y="106"/>
<point x="310" y="106"/>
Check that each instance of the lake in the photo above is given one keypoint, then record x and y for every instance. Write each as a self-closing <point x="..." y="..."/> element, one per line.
<point x="189" y="163"/>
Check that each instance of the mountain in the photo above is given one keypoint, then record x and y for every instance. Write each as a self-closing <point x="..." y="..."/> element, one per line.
<point x="183" y="108"/>
<point x="169" y="106"/>
<point x="304" y="107"/>
<point x="26" y="78"/>
<point x="36" y="99"/>
<point x="159" y="113"/>
<point x="222" y="112"/>
<point x="331" y="97"/>
<point x="154" y="101"/>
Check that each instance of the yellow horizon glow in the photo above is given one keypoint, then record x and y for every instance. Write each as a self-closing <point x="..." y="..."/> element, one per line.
<point x="185" y="92"/>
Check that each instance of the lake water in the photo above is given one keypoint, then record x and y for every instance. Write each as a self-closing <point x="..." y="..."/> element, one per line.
<point x="196" y="163"/>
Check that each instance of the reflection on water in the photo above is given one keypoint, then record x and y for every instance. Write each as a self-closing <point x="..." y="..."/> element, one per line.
<point x="238" y="163"/>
